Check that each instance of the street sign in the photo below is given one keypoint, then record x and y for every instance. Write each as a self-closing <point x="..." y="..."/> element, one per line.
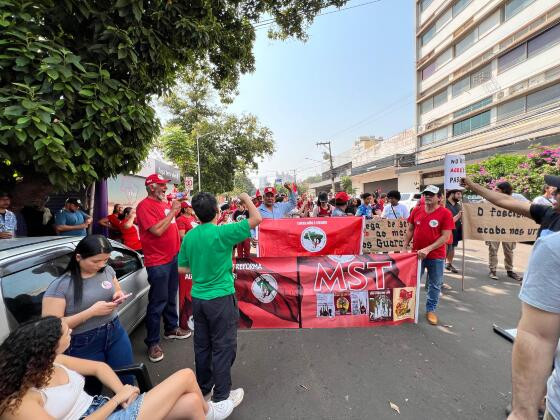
<point x="189" y="183"/>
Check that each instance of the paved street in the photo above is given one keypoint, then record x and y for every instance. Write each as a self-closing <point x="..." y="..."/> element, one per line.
<point x="457" y="371"/>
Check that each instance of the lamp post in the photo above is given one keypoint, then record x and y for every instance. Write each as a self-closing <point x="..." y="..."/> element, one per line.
<point x="198" y="156"/>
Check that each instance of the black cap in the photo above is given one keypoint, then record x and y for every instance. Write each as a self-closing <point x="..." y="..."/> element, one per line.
<point x="74" y="200"/>
<point x="552" y="180"/>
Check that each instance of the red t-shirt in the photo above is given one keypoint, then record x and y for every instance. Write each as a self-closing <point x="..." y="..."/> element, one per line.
<point x="428" y="228"/>
<point x="114" y="220"/>
<point x="131" y="236"/>
<point x="185" y="222"/>
<point x="157" y="250"/>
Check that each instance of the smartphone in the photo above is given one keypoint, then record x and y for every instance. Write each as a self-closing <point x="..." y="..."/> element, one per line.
<point x="122" y="299"/>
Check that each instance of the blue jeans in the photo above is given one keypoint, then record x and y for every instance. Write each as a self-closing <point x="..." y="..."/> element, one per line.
<point x="108" y="343"/>
<point x="433" y="281"/>
<point x="162" y="300"/>
<point x="128" y="413"/>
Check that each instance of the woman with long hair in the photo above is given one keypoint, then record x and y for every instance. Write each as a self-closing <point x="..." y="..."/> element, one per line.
<point x="129" y="230"/>
<point x="37" y="381"/>
<point x="86" y="297"/>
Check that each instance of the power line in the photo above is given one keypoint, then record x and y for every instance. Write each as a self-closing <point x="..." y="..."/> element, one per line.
<point x="269" y="22"/>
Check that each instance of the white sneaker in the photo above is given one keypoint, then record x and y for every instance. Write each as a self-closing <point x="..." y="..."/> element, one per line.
<point x="220" y="410"/>
<point x="236" y="396"/>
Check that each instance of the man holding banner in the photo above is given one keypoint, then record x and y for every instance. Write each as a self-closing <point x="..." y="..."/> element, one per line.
<point x="429" y="229"/>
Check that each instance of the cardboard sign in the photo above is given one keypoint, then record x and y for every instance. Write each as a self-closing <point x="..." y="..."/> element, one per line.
<point x="384" y="235"/>
<point x="486" y="222"/>
<point x="189" y="183"/>
<point x="454" y="170"/>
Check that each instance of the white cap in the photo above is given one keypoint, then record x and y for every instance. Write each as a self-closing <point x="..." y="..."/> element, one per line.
<point x="432" y="189"/>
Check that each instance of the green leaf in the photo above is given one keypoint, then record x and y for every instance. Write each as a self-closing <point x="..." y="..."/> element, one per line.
<point x="125" y="124"/>
<point x="14" y="110"/>
<point x="58" y="130"/>
<point x="21" y="135"/>
<point x="86" y="92"/>
<point x="22" y="61"/>
<point x="27" y="104"/>
<point x="41" y="126"/>
<point x="23" y="120"/>
<point x="53" y="74"/>
<point x="122" y="3"/>
<point x="53" y="59"/>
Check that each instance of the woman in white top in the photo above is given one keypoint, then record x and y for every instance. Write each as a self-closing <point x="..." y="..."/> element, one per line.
<point x="37" y="381"/>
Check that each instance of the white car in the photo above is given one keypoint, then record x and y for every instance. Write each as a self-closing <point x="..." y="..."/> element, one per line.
<point x="410" y="199"/>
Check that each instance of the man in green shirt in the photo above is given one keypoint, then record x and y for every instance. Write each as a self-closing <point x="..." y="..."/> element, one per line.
<point x="207" y="252"/>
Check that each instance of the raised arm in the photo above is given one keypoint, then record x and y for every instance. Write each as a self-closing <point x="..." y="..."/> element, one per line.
<point x="499" y="199"/>
<point x="160" y="227"/>
<point x="255" y="217"/>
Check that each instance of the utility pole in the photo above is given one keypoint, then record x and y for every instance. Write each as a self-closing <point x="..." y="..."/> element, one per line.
<point x="328" y="143"/>
<point x="295" y="182"/>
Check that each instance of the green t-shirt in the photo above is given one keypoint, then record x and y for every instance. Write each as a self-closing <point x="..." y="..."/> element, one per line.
<point x="207" y="250"/>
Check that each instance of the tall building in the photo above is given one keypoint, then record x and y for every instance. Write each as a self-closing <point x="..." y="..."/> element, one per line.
<point x="487" y="80"/>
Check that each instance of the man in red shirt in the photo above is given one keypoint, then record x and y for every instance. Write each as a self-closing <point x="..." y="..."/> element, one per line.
<point x="430" y="228"/>
<point x="160" y="241"/>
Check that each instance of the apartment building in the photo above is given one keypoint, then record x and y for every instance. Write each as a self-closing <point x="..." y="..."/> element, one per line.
<point x="488" y="80"/>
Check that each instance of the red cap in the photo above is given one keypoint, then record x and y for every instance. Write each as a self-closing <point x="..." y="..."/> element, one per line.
<point x="185" y="205"/>
<point x="342" y="196"/>
<point x="156" y="179"/>
<point x="258" y="194"/>
<point x="268" y="190"/>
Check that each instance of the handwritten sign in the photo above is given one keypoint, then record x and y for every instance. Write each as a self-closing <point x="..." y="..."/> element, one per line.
<point x="189" y="183"/>
<point x="486" y="222"/>
<point x="454" y="170"/>
<point x="384" y="235"/>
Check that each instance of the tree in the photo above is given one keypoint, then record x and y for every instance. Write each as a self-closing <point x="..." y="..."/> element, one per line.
<point x="76" y="76"/>
<point x="346" y="184"/>
<point x="525" y="173"/>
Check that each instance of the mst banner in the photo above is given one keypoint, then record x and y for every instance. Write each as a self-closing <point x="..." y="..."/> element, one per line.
<point x="384" y="235"/>
<point x="267" y="292"/>
<point x="486" y="222"/>
<point x="310" y="236"/>
<point x="358" y="290"/>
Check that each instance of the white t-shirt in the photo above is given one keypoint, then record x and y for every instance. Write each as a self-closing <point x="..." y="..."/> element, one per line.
<point x="400" y="211"/>
<point x="544" y="201"/>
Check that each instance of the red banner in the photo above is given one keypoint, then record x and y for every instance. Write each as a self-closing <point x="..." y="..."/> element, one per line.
<point x="310" y="237"/>
<point x="321" y="292"/>
<point x="358" y="290"/>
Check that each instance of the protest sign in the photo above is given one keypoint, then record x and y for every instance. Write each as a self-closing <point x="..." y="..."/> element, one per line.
<point x="486" y="222"/>
<point x="310" y="236"/>
<point x="189" y="183"/>
<point x="358" y="290"/>
<point x="454" y="170"/>
<point x="384" y="235"/>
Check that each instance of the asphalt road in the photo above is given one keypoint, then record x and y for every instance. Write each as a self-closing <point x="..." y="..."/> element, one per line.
<point x="458" y="370"/>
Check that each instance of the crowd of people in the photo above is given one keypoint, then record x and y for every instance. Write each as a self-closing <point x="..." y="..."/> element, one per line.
<point x="80" y="333"/>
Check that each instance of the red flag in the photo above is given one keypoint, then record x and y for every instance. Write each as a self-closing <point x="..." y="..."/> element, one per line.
<point x="310" y="236"/>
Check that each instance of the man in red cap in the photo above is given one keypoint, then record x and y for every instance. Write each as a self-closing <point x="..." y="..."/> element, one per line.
<point x="160" y="241"/>
<point x="341" y="202"/>
<point x="270" y="209"/>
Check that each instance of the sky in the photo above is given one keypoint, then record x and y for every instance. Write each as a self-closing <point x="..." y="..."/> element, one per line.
<point x="353" y="77"/>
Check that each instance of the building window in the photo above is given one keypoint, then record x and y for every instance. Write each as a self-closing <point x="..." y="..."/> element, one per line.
<point x="436" y="27"/>
<point x="513" y="7"/>
<point x="434" y="136"/>
<point x="428" y="35"/>
<point x="433" y="102"/>
<point x="543" y="97"/>
<point x="472" y="123"/>
<point x="543" y="41"/>
<point x="534" y="46"/>
<point x="511" y="108"/>
<point x="424" y="4"/>
<point x="512" y="58"/>
<point x="481" y="76"/>
<point x="473" y="107"/>
<point x="472" y="37"/>
<point x="460" y="86"/>
<point x="439" y="62"/>
<point x="459" y="6"/>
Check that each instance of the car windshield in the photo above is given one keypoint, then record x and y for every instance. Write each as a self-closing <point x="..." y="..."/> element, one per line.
<point x="405" y="196"/>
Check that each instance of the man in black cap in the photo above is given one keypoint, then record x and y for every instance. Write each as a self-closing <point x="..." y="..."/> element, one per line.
<point x="71" y="220"/>
<point x="546" y="216"/>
